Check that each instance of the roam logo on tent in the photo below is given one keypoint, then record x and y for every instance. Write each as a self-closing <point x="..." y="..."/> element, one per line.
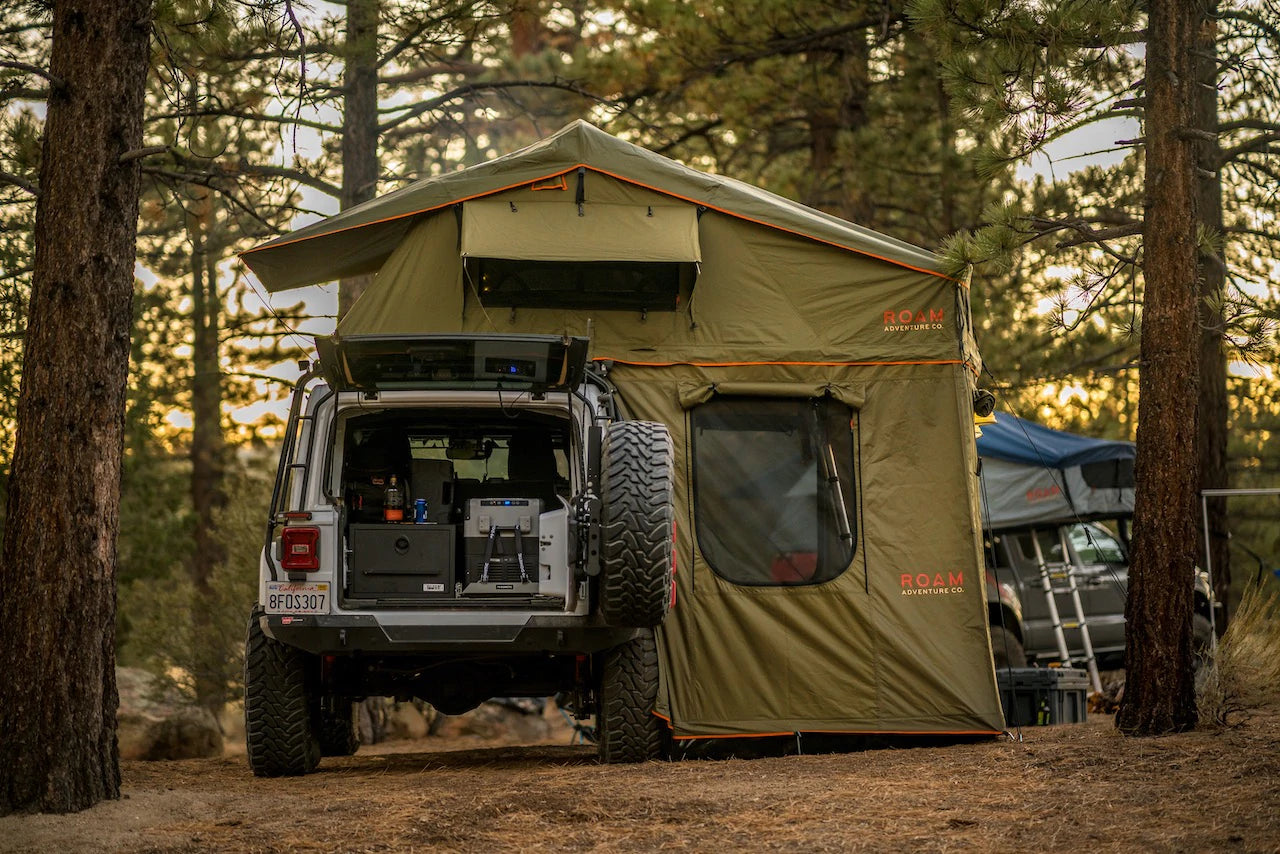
<point x="910" y="319"/>
<point x="1042" y="493"/>
<point x="932" y="584"/>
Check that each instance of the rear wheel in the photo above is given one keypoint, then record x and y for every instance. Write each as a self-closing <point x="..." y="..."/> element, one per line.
<point x="626" y="728"/>
<point x="277" y="715"/>
<point x="636" y="498"/>
<point x="1006" y="649"/>
<point x="334" y="721"/>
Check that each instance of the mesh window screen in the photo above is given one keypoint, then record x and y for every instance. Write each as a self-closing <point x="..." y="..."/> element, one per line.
<point x="774" y="489"/>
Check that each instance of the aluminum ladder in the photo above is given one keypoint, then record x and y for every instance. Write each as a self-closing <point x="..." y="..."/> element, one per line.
<point x="1065" y="571"/>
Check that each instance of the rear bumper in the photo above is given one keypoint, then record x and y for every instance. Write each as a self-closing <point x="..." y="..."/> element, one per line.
<point x="349" y="634"/>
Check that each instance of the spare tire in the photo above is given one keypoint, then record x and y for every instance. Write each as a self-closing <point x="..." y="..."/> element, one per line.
<point x="636" y="492"/>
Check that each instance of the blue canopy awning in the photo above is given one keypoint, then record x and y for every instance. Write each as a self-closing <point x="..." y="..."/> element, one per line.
<point x="1020" y="441"/>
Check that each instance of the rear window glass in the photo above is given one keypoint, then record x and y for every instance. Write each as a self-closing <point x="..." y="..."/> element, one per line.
<point x="1050" y="545"/>
<point x="1095" y="544"/>
<point x="774" y="489"/>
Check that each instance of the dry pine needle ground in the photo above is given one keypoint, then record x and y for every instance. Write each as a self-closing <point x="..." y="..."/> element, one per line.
<point x="1064" y="787"/>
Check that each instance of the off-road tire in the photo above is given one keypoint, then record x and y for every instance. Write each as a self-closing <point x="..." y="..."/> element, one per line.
<point x="636" y="492"/>
<point x="334" y="722"/>
<point x="279" y="737"/>
<point x="626" y="728"/>
<point x="1006" y="649"/>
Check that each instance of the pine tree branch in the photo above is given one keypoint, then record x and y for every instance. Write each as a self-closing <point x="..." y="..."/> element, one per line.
<point x="1248" y="124"/>
<point x="23" y="93"/>
<point x="689" y="133"/>
<point x="54" y="81"/>
<point x="469" y="89"/>
<point x="139" y="153"/>
<point x="27" y="27"/>
<point x="793" y="44"/>
<point x="298" y="53"/>
<point x="18" y="181"/>
<point x="213" y="182"/>
<point x="1252" y="232"/>
<point x="428" y="72"/>
<point x="247" y="116"/>
<point x="290" y="174"/>
<point x="1261" y="142"/>
<point x="210" y="169"/>
<point x="1253" y="19"/>
<point x="1086" y="234"/>
<point x="406" y="41"/>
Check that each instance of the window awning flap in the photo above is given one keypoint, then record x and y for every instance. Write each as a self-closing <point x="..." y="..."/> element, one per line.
<point x="554" y="231"/>
<point x="852" y="394"/>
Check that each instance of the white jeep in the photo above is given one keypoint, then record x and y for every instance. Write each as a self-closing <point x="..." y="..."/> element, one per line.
<point x="530" y="552"/>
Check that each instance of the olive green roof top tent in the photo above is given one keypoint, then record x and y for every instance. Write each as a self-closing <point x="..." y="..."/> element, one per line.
<point x="817" y="378"/>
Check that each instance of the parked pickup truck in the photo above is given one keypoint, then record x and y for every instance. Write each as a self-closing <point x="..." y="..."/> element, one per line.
<point x="1021" y="626"/>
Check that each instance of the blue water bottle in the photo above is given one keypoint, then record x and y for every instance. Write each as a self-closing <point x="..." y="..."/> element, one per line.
<point x="420" y="511"/>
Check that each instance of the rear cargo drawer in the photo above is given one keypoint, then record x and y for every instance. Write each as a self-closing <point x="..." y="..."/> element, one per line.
<point x="404" y="561"/>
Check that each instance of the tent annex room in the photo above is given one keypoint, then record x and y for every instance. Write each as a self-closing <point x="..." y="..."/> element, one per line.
<point x="817" y="379"/>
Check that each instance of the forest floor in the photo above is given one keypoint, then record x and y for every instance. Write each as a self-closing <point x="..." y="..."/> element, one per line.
<point x="1080" y="787"/>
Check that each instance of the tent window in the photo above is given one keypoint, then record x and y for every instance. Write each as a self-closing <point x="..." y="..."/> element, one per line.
<point x="1108" y="474"/>
<point x="587" y="285"/>
<point x="773" y="484"/>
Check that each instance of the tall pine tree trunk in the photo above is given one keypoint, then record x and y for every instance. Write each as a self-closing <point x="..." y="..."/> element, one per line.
<point x="208" y="495"/>
<point x="57" y="573"/>
<point x="1213" y="359"/>
<point x="831" y="121"/>
<point x="359" y="123"/>
<point x="1159" y="691"/>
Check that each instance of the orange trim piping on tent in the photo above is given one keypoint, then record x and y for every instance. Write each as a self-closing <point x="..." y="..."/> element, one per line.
<point x="412" y="213"/>
<point x="538" y="186"/>
<point x="828" y="732"/>
<point x="751" y="364"/>
<point x="563" y="172"/>
<point x="843" y="732"/>
<point x="964" y="362"/>
<point x="777" y="227"/>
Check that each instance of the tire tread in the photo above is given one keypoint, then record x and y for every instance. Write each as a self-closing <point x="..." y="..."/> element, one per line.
<point x="277" y="715"/>
<point x="626" y="728"/>
<point x="637" y="498"/>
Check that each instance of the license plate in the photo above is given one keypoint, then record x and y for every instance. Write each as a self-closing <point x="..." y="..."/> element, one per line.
<point x="297" y="597"/>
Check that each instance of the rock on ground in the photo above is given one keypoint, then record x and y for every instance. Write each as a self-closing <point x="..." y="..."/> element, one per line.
<point x="157" y="723"/>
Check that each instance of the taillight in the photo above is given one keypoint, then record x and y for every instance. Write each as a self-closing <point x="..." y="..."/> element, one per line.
<point x="300" y="549"/>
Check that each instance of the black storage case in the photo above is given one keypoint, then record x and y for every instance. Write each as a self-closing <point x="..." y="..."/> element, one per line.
<point x="1035" y="696"/>
<point x="402" y="561"/>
